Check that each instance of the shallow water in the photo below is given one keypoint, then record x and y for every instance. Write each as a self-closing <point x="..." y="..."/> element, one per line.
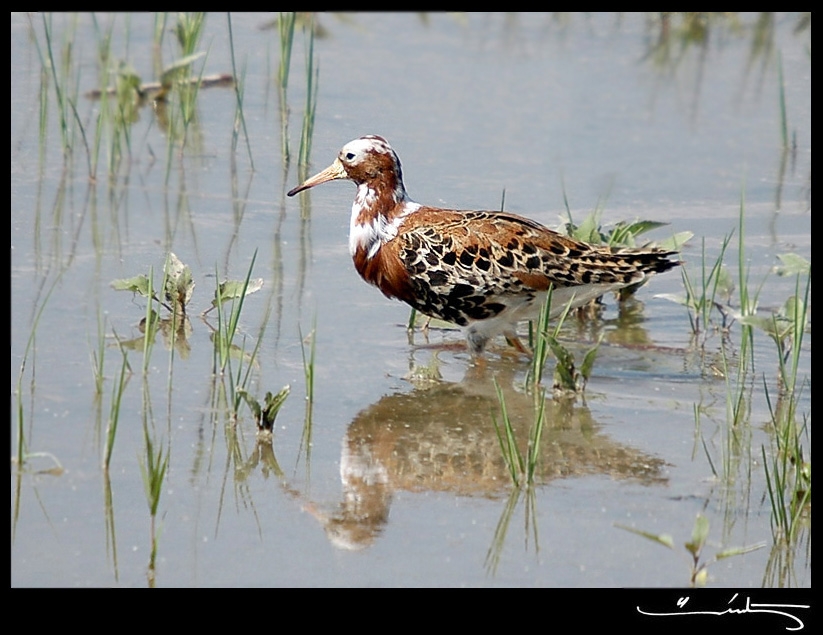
<point x="401" y="481"/>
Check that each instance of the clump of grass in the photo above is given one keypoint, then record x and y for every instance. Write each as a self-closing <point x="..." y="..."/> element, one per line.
<point x="786" y="328"/>
<point x="539" y="340"/>
<point x="736" y="435"/>
<point x="522" y="467"/>
<point x="151" y="320"/>
<point x="789" y="482"/>
<point x="788" y="473"/>
<point x="698" y="569"/>
<point x="788" y="467"/>
<point x="227" y="324"/>
<point x="225" y="349"/>
<point x="496" y="548"/>
<point x="746" y="301"/>
<point x="22" y="455"/>
<point x="153" y="468"/>
<point x="180" y="78"/>
<point x="307" y="129"/>
<point x="62" y="102"/>
<point x="188" y="30"/>
<point x="264" y="415"/>
<point x="784" y="124"/>
<point x="161" y="19"/>
<point x="108" y="513"/>
<point x="98" y="358"/>
<point x="65" y="89"/>
<point x="308" y="372"/>
<point x="239" y="118"/>
<point x="21" y="449"/>
<point x="624" y="234"/>
<point x="121" y="103"/>
<point x="312" y="78"/>
<point x="701" y="300"/>
<point x="567" y="378"/>
<point x="285" y="24"/>
<point x="114" y="413"/>
<point x="118" y="111"/>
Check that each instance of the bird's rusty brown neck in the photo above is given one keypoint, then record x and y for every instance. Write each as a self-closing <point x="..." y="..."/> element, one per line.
<point x="379" y="197"/>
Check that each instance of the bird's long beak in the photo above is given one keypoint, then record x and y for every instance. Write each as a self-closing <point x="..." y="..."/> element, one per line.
<point x="331" y="173"/>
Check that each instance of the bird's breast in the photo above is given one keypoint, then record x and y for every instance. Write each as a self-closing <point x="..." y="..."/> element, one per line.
<point x="384" y="269"/>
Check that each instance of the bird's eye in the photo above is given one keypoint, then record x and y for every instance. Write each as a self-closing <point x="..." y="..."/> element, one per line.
<point x="349" y="156"/>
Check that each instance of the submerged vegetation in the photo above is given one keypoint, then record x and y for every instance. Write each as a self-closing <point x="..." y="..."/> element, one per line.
<point x="698" y="565"/>
<point x="113" y="111"/>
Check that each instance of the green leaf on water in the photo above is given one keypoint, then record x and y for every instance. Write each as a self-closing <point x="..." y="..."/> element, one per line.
<point x="700" y="532"/>
<point x="233" y="289"/>
<point x="138" y="284"/>
<point x="792" y="264"/>
<point x="781" y="324"/>
<point x="765" y="324"/>
<point x="664" y="539"/>
<point x="793" y="310"/>
<point x="676" y="242"/>
<point x="737" y="551"/>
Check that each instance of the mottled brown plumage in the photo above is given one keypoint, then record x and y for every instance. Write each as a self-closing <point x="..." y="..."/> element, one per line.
<point x="485" y="271"/>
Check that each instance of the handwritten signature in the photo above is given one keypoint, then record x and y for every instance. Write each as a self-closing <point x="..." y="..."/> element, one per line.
<point x="748" y="608"/>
